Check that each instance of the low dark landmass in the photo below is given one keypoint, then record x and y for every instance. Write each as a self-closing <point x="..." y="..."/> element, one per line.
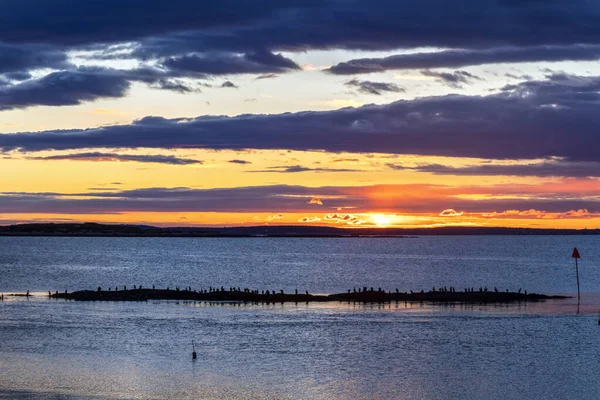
<point x="374" y="296"/>
<point x="104" y="230"/>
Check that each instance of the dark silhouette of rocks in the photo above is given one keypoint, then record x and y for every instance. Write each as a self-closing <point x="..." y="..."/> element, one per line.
<point x="256" y="296"/>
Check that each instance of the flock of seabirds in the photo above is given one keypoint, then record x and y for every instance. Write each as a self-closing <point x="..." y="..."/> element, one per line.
<point x="361" y="294"/>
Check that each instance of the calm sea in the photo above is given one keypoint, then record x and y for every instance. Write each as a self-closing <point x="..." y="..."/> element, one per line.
<point x="53" y="349"/>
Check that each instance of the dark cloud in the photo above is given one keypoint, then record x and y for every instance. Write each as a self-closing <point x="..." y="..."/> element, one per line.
<point x="531" y="120"/>
<point x="457" y="58"/>
<point x="228" y="84"/>
<point x="83" y="84"/>
<point x="226" y="64"/>
<point x="20" y="59"/>
<point x="267" y="76"/>
<point x="66" y="22"/>
<point x="453" y="79"/>
<point x="18" y="76"/>
<point x="550" y="168"/>
<point x="64" y="88"/>
<point x="375" y="88"/>
<point x="388" y="25"/>
<point x="175" y="86"/>
<point x="105" y="157"/>
<point x="239" y="162"/>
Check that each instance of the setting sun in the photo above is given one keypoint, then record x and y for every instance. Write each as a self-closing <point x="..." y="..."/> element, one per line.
<point x="382" y="219"/>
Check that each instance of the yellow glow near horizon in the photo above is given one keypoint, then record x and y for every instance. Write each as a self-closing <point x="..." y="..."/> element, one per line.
<point x="382" y="220"/>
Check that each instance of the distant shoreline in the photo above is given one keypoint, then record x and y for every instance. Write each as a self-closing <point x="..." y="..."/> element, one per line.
<point x="107" y="230"/>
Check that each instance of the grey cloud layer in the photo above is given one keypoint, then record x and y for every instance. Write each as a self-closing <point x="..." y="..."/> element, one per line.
<point x="465" y="57"/>
<point x="541" y="169"/>
<point x="100" y="157"/>
<point x="376" y="88"/>
<point x="76" y="85"/>
<point x="531" y="120"/>
<point x="232" y="25"/>
<point x="285" y="198"/>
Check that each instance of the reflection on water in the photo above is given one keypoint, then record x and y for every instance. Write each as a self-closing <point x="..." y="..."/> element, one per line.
<point x="55" y="349"/>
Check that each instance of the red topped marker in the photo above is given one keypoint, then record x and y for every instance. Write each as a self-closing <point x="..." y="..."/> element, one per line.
<point x="575" y="253"/>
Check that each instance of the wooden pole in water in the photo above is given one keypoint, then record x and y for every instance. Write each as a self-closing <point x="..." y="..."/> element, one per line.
<point x="576" y="256"/>
<point x="194" y="355"/>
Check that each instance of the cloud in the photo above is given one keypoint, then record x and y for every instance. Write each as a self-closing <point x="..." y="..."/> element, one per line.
<point x="228" y="84"/>
<point x="315" y="200"/>
<point x="546" y="168"/>
<point x="375" y="88"/>
<point x="456" y="58"/>
<point x="277" y="217"/>
<point x="268" y="76"/>
<point x="239" y="162"/>
<point x="64" y="88"/>
<point x="309" y="219"/>
<point x="553" y="197"/>
<point x="530" y="120"/>
<point x="346" y="219"/>
<point x="453" y="79"/>
<point x="111" y="157"/>
<point x="239" y="37"/>
<point x="15" y="59"/>
<point x="175" y="86"/>
<point x="300" y="25"/>
<point x="450" y="213"/>
<point x="263" y="62"/>
<point x="541" y="214"/>
<point x="83" y="84"/>
<point x="345" y="159"/>
<point x="300" y="168"/>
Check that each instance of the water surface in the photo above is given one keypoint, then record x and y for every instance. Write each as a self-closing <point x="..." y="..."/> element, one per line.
<point x="54" y="349"/>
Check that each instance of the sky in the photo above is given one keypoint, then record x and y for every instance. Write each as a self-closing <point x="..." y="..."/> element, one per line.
<point x="348" y="113"/>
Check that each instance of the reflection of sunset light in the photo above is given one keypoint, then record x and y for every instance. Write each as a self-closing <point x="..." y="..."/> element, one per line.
<point x="382" y="219"/>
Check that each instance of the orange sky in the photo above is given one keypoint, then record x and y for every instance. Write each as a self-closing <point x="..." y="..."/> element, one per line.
<point x="350" y="190"/>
